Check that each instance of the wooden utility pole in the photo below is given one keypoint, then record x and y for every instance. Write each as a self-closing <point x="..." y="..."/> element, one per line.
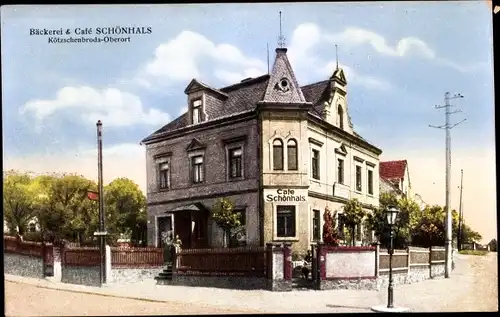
<point x="447" y="127"/>
<point x="460" y="213"/>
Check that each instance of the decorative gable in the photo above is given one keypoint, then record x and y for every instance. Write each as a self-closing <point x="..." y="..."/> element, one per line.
<point x="341" y="150"/>
<point x="196" y="85"/>
<point x="195" y="144"/>
<point x="339" y="76"/>
<point x="283" y="86"/>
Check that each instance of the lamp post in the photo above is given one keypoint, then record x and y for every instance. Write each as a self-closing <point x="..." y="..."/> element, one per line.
<point x="391" y="214"/>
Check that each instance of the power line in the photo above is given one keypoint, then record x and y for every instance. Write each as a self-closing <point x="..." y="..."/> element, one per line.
<point x="447" y="127"/>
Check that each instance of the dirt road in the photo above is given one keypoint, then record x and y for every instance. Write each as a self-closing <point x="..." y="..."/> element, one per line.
<point x="28" y="300"/>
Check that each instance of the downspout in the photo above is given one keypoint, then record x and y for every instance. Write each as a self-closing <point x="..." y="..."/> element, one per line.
<point x="260" y="204"/>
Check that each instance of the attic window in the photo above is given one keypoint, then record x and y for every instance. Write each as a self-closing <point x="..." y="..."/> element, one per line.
<point x="196" y="111"/>
<point x="284" y="85"/>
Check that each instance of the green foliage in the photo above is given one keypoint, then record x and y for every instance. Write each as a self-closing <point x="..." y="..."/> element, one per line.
<point x="469" y="235"/>
<point x="473" y="252"/>
<point x="224" y="216"/>
<point x="330" y="236"/>
<point x="125" y="207"/>
<point x="353" y="215"/>
<point x="60" y="204"/>
<point x="415" y="226"/>
<point x="18" y="201"/>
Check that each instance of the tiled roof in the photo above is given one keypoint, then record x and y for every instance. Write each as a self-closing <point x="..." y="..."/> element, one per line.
<point x="244" y="96"/>
<point x="316" y="93"/>
<point x="283" y="72"/>
<point x="393" y="169"/>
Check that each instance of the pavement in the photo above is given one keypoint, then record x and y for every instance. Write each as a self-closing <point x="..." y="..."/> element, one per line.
<point x="464" y="291"/>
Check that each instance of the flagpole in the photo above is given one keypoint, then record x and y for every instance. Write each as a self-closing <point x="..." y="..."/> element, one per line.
<point x="102" y="273"/>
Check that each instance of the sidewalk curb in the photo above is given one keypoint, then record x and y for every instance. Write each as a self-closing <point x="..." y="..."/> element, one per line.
<point x="58" y="288"/>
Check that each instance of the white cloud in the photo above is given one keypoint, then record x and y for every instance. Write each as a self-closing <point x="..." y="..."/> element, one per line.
<point x="114" y="107"/>
<point x="122" y="160"/>
<point x="406" y="46"/>
<point x="180" y="59"/>
<point x="307" y="38"/>
<point x="427" y="175"/>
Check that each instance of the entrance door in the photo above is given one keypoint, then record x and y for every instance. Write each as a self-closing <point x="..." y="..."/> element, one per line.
<point x="164" y="225"/>
<point x="199" y="239"/>
<point x="183" y="228"/>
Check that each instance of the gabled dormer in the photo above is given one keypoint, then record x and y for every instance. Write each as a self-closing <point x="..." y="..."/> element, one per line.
<point x="203" y="101"/>
<point x="336" y="111"/>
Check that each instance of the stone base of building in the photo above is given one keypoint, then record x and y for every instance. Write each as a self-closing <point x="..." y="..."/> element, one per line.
<point x="232" y="282"/>
<point x="279" y="285"/>
<point x="356" y="284"/>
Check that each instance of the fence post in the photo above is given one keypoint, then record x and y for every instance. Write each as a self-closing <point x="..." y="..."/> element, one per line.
<point x="321" y="263"/>
<point x="408" y="262"/>
<point x="430" y="262"/>
<point x="269" y="264"/>
<point x="377" y="259"/>
<point x="287" y="261"/>
<point x="276" y="269"/>
<point x="107" y="266"/>
<point x="176" y="258"/>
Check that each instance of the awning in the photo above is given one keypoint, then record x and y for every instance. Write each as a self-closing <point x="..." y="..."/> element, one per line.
<point x="191" y="207"/>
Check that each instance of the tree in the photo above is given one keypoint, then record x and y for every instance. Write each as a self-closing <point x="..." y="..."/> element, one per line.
<point x="408" y="217"/>
<point x="330" y="236"/>
<point x="65" y="211"/>
<point x="224" y="216"/>
<point x="353" y="216"/>
<point x="18" y="200"/>
<point x="469" y="235"/>
<point x="125" y="207"/>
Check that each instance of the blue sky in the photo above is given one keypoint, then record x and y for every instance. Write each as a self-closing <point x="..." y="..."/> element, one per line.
<point x="400" y="59"/>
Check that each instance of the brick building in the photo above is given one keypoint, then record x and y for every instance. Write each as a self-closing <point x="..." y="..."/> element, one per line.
<point x="279" y="151"/>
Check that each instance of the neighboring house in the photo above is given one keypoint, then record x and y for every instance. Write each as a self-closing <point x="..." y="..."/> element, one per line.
<point x="32" y="226"/>
<point x="396" y="173"/>
<point x="280" y="152"/>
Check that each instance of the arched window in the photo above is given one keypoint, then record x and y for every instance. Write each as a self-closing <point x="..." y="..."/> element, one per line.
<point x="340" y="117"/>
<point x="291" y="148"/>
<point x="278" y="154"/>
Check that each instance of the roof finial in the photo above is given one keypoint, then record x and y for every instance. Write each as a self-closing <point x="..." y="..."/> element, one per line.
<point x="281" y="38"/>
<point x="337" y="55"/>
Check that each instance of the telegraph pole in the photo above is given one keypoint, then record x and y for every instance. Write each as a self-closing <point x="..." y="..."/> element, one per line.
<point x="447" y="127"/>
<point x="460" y="215"/>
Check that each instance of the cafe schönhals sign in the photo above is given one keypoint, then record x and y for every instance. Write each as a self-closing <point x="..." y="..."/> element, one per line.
<point x="285" y="195"/>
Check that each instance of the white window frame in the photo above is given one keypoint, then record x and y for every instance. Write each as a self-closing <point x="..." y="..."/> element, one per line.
<point x="229" y="147"/>
<point x="285" y="161"/>
<point x="368" y="170"/>
<point x="158" y="162"/>
<point x="315" y="148"/>
<point x="191" y="171"/>
<point x="198" y="105"/>
<point x="311" y="225"/>
<point x="356" y="165"/>
<point x="275" y="222"/>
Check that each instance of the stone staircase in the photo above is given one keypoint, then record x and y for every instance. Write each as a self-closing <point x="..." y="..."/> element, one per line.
<point x="165" y="277"/>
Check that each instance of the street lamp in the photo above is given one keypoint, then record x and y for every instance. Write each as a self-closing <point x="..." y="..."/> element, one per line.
<point x="391" y="214"/>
